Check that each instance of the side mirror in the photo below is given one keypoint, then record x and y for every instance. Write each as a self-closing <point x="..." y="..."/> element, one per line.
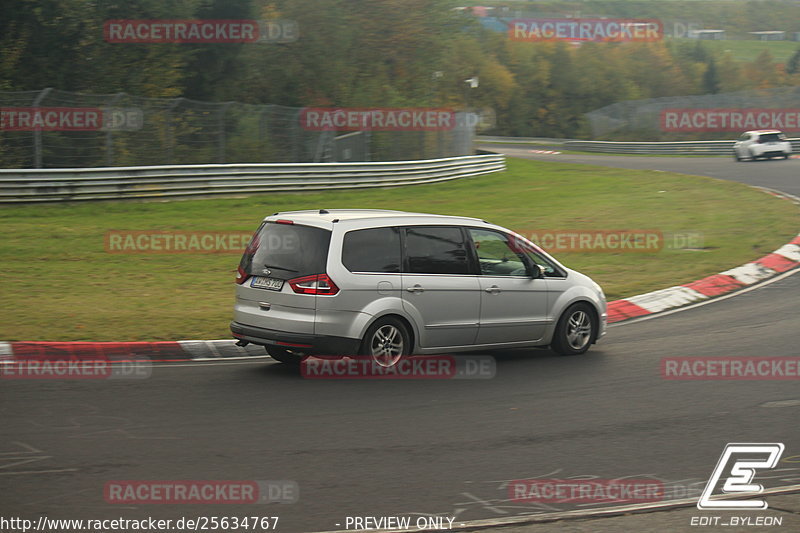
<point x="535" y="271"/>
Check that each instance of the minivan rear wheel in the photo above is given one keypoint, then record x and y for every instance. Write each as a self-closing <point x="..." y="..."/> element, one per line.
<point x="386" y="342"/>
<point x="576" y="330"/>
<point x="283" y="355"/>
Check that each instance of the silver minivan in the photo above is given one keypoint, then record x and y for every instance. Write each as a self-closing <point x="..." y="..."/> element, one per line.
<point x="386" y="284"/>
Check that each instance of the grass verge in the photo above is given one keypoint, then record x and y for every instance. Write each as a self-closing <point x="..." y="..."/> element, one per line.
<point x="60" y="284"/>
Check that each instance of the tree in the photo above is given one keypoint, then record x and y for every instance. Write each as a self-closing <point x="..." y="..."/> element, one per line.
<point x="711" y="81"/>
<point x="793" y="65"/>
<point x="59" y="43"/>
<point x="762" y="72"/>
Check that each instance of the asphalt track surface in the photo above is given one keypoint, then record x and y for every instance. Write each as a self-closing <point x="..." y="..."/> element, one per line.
<point x="416" y="447"/>
<point x="780" y="174"/>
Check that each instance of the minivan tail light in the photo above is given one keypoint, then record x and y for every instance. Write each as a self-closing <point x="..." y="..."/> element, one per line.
<point x="284" y="221"/>
<point x="320" y="284"/>
<point x="241" y="276"/>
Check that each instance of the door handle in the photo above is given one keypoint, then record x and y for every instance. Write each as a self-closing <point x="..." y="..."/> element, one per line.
<point x="416" y="288"/>
<point x="494" y="289"/>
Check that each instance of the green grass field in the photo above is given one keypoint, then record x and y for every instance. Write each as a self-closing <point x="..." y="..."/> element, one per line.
<point x="746" y="50"/>
<point x="59" y="283"/>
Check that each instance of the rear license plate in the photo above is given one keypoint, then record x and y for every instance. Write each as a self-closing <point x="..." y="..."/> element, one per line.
<point x="260" y="282"/>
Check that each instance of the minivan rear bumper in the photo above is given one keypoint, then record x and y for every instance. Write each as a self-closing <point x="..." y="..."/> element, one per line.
<point x="307" y="343"/>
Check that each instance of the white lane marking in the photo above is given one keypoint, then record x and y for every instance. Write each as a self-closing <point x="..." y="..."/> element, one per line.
<point x="219" y="362"/>
<point x="710" y="301"/>
<point x="29" y="472"/>
<point x="213" y="347"/>
<point x="28" y="448"/>
<point x="749" y="273"/>
<point x="666" y="298"/>
<point x="5" y="351"/>
<point x="789" y="251"/>
<point x="193" y="347"/>
<point x="780" y="194"/>
<point x="584" y="513"/>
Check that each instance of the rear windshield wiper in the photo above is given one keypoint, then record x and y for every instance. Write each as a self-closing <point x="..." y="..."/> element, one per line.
<point x="281" y="268"/>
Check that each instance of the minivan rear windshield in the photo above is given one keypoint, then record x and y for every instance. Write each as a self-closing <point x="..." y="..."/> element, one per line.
<point x="287" y="251"/>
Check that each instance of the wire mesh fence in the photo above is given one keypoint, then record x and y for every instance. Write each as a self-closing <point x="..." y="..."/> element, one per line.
<point x="60" y="129"/>
<point x="709" y="116"/>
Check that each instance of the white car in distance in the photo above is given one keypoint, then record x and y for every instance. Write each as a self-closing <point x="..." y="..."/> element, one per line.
<point x="758" y="144"/>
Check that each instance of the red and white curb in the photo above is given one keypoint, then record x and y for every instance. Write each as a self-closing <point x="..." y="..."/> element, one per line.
<point x="549" y="152"/>
<point x="781" y="260"/>
<point x="161" y="352"/>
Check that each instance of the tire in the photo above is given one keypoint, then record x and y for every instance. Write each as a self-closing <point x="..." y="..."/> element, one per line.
<point x="753" y="157"/>
<point x="283" y="355"/>
<point x="386" y="342"/>
<point x="736" y="156"/>
<point x="576" y="330"/>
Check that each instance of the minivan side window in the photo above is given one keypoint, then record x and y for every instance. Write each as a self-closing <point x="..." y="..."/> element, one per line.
<point x="550" y="269"/>
<point x="437" y="250"/>
<point x="372" y="250"/>
<point x="495" y="256"/>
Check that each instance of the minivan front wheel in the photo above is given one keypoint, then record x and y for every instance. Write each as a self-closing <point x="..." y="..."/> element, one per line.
<point x="283" y="355"/>
<point x="576" y="330"/>
<point x="386" y="342"/>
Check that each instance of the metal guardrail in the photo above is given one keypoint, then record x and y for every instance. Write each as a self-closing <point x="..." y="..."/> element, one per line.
<point x="518" y="140"/>
<point x="112" y="183"/>
<point x="673" y="148"/>
<point x="617" y="147"/>
<point x="669" y="148"/>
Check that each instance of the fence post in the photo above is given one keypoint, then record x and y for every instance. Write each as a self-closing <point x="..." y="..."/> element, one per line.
<point x="296" y="136"/>
<point x="171" y="131"/>
<point x="221" y="148"/>
<point x="110" y="133"/>
<point x="37" y="134"/>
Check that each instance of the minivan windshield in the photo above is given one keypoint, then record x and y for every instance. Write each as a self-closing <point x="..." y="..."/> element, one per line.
<point x="286" y="251"/>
